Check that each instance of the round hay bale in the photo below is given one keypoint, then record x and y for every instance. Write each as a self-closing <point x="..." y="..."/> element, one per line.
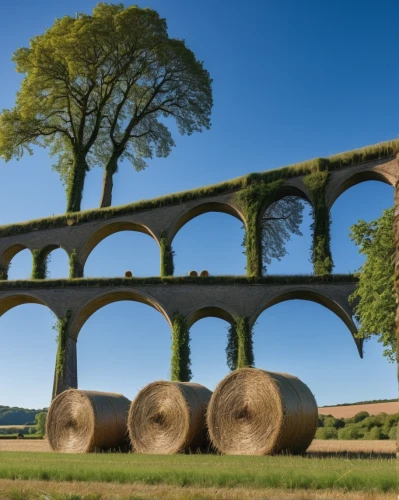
<point x="204" y="273"/>
<point x="128" y="274"/>
<point x="169" y="417"/>
<point x="193" y="274"/>
<point x="255" y="412"/>
<point x="87" y="421"/>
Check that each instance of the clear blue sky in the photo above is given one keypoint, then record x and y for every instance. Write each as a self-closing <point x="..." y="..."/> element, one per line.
<point x="292" y="81"/>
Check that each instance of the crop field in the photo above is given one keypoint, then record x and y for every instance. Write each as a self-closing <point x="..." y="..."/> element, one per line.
<point x="351" y="410"/>
<point x="368" y="471"/>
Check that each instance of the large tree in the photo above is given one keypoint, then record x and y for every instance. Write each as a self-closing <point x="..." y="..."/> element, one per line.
<point x="98" y="88"/>
<point x="374" y="298"/>
<point x="282" y="219"/>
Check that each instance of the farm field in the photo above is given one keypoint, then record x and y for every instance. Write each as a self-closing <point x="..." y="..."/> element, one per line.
<point x="39" y="490"/>
<point x="13" y="426"/>
<point x="351" y="410"/>
<point x="206" y="476"/>
<point x="383" y="447"/>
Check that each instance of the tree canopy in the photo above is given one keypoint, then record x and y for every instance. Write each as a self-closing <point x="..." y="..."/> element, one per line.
<point x="98" y="88"/>
<point x="374" y="298"/>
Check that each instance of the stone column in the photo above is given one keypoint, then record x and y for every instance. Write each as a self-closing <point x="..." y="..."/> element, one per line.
<point x="253" y="248"/>
<point x="75" y="266"/>
<point x="66" y="373"/>
<point x="3" y="272"/>
<point x="322" y="258"/>
<point x="180" y="361"/>
<point x="245" y="353"/>
<point x="39" y="265"/>
<point x="167" y="253"/>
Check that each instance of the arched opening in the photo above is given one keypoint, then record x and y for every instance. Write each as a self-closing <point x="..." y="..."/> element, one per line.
<point x="309" y="341"/>
<point x="28" y="353"/>
<point x="20" y="262"/>
<point x="121" y="251"/>
<point x="287" y="235"/>
<point x="122" y="347"/>
<point x="57" y="262"/>
<point x="208" y="342"/>
<point x="362" y="201"/>
<point x="211" y="242"/>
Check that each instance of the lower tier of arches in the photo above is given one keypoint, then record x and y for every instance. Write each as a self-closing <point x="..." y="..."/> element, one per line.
<point x="182" y="305"/>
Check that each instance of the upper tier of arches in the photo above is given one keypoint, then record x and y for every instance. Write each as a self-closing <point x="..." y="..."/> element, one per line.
<point x="82" y="238"/>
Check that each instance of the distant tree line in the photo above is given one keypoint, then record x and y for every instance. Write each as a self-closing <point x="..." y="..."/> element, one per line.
<point x="18" y="416"/>
<point x="361" y="426"/>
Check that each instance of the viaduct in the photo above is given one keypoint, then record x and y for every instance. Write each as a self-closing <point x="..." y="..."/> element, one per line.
<point x="185" y="300"/>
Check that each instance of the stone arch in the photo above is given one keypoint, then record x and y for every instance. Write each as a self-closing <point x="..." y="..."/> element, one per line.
<point x="210" y="312"/>
<point x="93" y="305"/>
<point x="338" y="186"/>
<point x="10" y="301"/>
<point x="10" y="252"/>
<point x="203" y="208"/>
<point x="318" y="298"/>
<point x="287" y="189"/>
<point x="107" y="230"/>
<point x="45" y="252"/>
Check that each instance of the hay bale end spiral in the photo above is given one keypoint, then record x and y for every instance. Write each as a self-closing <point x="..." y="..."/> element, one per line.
<point x="169" y="417"/>
<point x="87" y="421"/>
<point x="255" y="412"/>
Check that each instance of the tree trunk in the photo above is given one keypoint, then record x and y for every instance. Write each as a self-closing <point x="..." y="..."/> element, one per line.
<point x="110" y="169"/>
<point x="76" y="181"/>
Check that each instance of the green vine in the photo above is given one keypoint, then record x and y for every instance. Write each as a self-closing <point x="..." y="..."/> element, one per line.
<point x="180" y="362"/>
<point x="39" y="265"/>
<point x="320" y="250"/>
<point x="167" y="255"/>
<point x="252" y="201"/>
<point x="3" y="273"/>
<point x="75" y="269"/>
<point x="61" y="327"/>
<point x="239" y="348"/>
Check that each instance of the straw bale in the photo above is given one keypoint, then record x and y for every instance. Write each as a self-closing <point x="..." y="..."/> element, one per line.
<point x="204" y="273"/>
<point x="255" y="412"/>
<point x="169" y="417"/>
<point x="193" y="274"/>
<point x="87" y="421"/>
<point x="128" y="274"/>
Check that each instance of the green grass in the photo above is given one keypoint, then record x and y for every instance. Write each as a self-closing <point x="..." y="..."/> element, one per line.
<point x="382" y="150"/>
<point x="206" y="470"/>
<point x="181" y="280"/>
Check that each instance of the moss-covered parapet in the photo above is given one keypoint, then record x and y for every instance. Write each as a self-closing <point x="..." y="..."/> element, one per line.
<point x="180" y="280"/>
<point x="355" y="157"/>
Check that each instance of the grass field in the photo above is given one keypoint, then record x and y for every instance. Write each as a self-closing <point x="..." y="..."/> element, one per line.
<point x="43" y="490"/>
<point x="206" y="471"/>
<point x="332" y="470"/>
<point x="383" y="448"/>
